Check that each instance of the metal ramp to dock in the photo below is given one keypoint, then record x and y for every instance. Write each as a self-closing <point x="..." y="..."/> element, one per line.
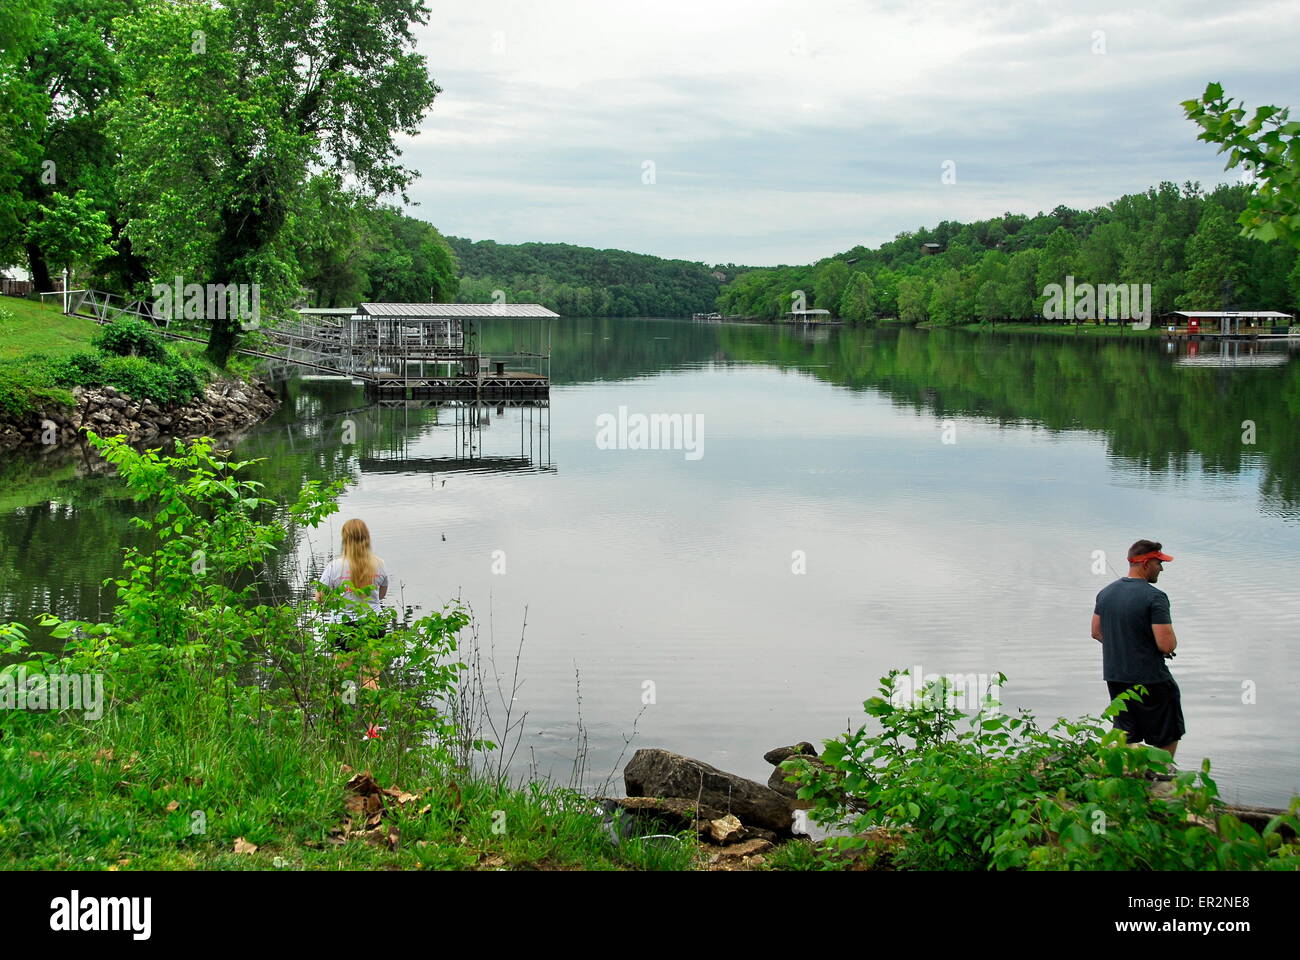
<point x="395" y="349"/>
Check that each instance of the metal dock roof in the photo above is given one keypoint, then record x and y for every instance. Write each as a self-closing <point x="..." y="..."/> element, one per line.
<point x="448" y="311"/>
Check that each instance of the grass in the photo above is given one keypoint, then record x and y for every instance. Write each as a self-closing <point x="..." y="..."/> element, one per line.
<point x="40" y="328"/>
<point x="1091" y="330"/>
<point x="161" y="786"/>
<point x="36" y="337"/>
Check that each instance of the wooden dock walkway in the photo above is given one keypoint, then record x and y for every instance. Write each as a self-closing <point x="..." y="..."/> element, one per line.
<point x="394" y="350"/>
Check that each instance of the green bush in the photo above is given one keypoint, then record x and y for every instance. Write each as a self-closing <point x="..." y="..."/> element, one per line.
<point x="131" y="337"/>
<point x="169" y="382"/>
<point x="37" y="382"/>
<point x="190" y="370"/>
<point x="1007" y="795"/>
<point x="30" y="384"/>
<point x="82" y="369"/>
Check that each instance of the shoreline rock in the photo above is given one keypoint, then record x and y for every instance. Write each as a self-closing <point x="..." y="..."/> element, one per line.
<point x="224" y="407"/>
<point x="654" y="772"/>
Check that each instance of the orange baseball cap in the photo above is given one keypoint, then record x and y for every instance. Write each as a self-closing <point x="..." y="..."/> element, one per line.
<point x="1153" y="555"/>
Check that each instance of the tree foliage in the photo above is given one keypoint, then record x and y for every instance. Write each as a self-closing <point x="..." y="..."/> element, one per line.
<point x="1171" y="237"/>
<point x="224" y="110"/>
<point x="1268" y="147"/>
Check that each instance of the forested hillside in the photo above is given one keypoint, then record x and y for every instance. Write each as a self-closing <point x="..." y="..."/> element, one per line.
<point x="1182" y="241"/>
<point x="582" y="281"/>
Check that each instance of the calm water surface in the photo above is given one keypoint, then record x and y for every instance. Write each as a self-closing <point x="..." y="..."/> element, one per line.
<point x="641" y="567"/>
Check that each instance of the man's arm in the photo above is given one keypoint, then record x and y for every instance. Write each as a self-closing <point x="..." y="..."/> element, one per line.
<point x="1096" y="628"/>
<point x="1162" y="624"/>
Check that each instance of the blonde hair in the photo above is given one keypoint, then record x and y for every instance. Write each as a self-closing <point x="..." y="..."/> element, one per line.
<point x="362" y="564"/>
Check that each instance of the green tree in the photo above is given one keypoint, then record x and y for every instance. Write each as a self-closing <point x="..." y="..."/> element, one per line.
<point x="1213" y="270"/>
<point x="1101" y="254"/>
<point x="945" y="299"/>
<point x="1056" y="263"/>
<point x="226" y="107"/>
<point x="24" y="106"/>
<point x="886" y="292"/>
<point x="913" y="300"/>
<point x="1021" y="288"/>
<point x="70" y="74"/>
<point x="411" y="262"/>
<point x="1269" y="147"/>
<point x="71" y="231"/>
<point x="988" y="300"/>
<point x="829" y="281"/>
<point x="858" y="303"/>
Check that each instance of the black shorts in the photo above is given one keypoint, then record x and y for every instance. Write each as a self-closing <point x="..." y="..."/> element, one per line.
<point x="1157" y="719"/>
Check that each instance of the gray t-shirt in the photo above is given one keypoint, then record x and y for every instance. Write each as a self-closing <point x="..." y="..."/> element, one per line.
<point x="1128" y="608"/>
<point x="336" y="572"/>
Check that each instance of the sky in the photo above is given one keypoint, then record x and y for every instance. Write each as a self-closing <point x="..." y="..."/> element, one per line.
<point x="771" y="131"/>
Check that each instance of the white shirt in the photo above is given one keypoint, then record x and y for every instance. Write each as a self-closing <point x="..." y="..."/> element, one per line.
<point x="336" y="572"/>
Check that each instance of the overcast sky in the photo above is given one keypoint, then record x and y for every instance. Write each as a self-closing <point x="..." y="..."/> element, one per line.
<point x="782" y="132"/>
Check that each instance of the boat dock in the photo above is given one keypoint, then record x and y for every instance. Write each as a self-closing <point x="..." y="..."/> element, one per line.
<point x="396" y="350"/>
<point x="1195" y="325"/>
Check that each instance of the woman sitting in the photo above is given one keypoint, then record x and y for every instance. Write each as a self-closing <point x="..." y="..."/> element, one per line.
<point x="363" y="580"/>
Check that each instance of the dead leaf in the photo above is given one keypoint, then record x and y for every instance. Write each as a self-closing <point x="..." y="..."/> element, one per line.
<point x="243" y="846"/>
<point x="173" y="806"/>
<point x="363" y="783"/>
<point x="400" y="795"/>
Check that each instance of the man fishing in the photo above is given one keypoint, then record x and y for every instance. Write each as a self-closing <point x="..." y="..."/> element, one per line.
<point x="1131" y="621"/>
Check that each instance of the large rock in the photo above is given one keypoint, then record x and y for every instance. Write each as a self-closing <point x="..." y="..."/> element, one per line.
<point x="662" y="773"/>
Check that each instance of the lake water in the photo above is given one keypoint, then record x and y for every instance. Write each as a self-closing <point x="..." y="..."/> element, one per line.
<point x="943" y="494"/>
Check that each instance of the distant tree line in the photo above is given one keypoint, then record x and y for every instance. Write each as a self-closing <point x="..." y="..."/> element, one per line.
<point x="583" y="281"/>
<point x="1182" y="241"/>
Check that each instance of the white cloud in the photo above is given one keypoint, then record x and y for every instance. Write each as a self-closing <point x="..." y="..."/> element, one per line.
<point x="783" y="132"/>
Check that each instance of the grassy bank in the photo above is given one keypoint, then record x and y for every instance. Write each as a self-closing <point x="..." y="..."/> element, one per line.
<point x="184" y="787"/>
<point x="41" y="329"/>
<point x="1090" y="330"/>
<point x="44" y="354"/>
